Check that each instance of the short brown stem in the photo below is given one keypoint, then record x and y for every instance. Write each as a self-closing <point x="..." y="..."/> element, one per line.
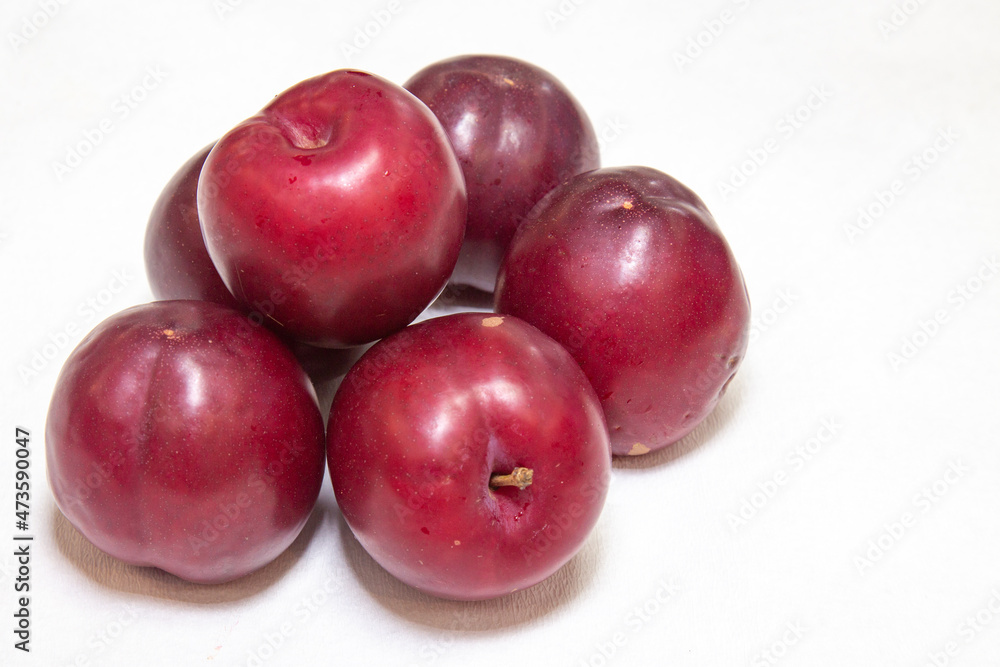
<point x="519" y="477"/>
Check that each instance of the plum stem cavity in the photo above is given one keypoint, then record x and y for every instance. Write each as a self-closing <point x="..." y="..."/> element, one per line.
<point x="302" y="134"/>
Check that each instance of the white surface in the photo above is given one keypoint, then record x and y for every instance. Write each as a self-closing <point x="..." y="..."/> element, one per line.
<point x="716" y="595"/>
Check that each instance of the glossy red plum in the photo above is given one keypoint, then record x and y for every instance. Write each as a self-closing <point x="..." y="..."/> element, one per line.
<point x="181" y="437"/>
<point x="517" y="132"/>
<point x="337" y="212"/>
<point x="629" y="271"/>
<point x="469" y="455"/>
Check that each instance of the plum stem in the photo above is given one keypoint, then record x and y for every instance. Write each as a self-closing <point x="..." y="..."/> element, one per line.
<point x="519" y="477"/>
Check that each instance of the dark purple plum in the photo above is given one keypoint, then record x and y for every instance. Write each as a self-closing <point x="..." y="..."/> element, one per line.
<point x="517" y="132"/>
<point x="180" y="436"/>
<point x="629" y="271"/>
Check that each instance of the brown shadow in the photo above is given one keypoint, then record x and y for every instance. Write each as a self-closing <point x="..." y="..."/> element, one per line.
<point x="455" y="616"/>
<point x="327" y="386"/>
<point x="118" y="575"/>
<point x="702" y="434"/>
<point x="455" y="298"/>
<point x="326" y="369"/>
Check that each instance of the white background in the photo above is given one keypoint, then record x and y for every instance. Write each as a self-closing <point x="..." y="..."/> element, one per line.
<point x="838" y="559"/>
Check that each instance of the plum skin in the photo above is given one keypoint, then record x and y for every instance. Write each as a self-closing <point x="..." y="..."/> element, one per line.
<point x="178" y="267"/>
<point x="517" y="132"/>
<point x="337" y="211"/>
<point x="425" y="418"/>
<point x="181" y="437"/>
<point x="177" y="262"/>
<point x="629" y="271"/>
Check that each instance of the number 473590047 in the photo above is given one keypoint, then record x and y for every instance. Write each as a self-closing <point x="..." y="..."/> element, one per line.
<point x="22" y="484"/>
